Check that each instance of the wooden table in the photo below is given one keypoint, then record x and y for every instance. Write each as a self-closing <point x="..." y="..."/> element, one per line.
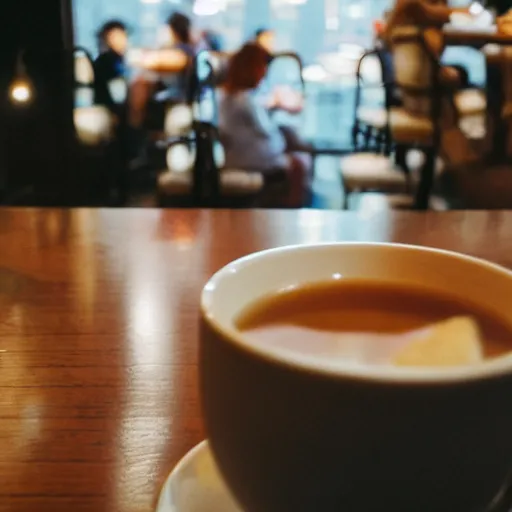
<point x="477" y="38"/>
<point x="98" y="335"/>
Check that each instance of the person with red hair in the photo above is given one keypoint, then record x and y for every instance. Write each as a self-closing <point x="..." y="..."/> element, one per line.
<point x="253" y="141"/>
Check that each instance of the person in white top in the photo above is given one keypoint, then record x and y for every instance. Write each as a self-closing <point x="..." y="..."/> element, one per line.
<point x="253" y="141"/>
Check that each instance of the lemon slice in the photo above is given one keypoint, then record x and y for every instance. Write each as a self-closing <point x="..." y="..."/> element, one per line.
<point x="454" y="342"/>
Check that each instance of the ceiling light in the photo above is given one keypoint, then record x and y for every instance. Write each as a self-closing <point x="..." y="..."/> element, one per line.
<point x="21" y="90"/>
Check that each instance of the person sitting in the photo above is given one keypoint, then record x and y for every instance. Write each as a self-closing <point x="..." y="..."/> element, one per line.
<point x="164" y="69"/>
<point x="109" y="66"/>
<point x="426" y="18"/>
<point x="252" y="140"/>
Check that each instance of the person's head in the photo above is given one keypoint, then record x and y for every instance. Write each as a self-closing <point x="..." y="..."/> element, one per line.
<point x="113" y="35"/>
<point x="266" y="39"/>
<point x="181" y="28"/>
<point x="246" y="69"/>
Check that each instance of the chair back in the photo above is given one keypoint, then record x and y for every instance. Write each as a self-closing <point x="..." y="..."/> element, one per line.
<point x="375" y="92"/>
<point x="202" y="88"/>
<point x="200" y="116"/>
<point x="206" y="143"/>
<point x="416" y="71"/>
<point x="84" y="77"/>
<point x="84" y="67"/>
<point x="285" y="72"/>
<point x="287" y="68"/>
<point x="371" y="73"/>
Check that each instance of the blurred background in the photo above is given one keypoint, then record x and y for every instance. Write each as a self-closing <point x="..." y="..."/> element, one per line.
<point x="55" y="145"/>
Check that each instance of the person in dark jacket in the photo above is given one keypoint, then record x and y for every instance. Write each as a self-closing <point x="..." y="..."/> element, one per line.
<point x="110" y="68"/>
<point x="164" y="70"/>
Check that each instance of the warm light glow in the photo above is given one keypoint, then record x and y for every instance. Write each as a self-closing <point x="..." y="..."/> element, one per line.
<point x="315" y="73"/>
<point x="476" y="8"/>
<point x="21" y="92"/>
<point x="208" y="7"/>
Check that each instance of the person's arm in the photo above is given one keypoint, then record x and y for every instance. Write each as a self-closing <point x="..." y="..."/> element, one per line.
<point x="166" y="61"/>
<point x="256" y="116"/>
<point x="263" y="125"/>
<point x="284" y="98"/>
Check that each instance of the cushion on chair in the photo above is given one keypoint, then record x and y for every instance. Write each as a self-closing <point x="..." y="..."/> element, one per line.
<point x="379" y="202"/>
<point x="175" y="183"/>
<point x="94" y="125"/>
<point x="375" y="117"/>
<point x="470" y="102"/>
<point x="180" y="158"/>
<point x="233" y="183"/>
<point x="367" y="171"/>
<point x="178" y="120"/>
<point x="239" y="183"/>
<point x="406" y="202"/>
<point x="407" y="128"/>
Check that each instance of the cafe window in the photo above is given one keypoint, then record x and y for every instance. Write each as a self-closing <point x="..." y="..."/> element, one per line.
<point x="311" y="27"/>
<point x="329" y="36"/>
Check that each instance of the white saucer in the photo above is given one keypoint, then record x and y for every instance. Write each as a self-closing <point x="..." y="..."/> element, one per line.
<point x="195" y="485"/>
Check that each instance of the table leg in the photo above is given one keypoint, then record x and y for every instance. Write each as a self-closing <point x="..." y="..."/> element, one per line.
<point x="495" y="98"/>
<point x="426" y="181"/>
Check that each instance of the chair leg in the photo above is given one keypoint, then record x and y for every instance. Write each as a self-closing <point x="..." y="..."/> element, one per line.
<point x="380" y="141"/>
<point x="345" y="201"/>
<point x="387" y="142"/>
<point x="355" y="136"/>
<point x="401" y="157"/>
<point x="426" y="181"/>
<point x="367" y="138"/>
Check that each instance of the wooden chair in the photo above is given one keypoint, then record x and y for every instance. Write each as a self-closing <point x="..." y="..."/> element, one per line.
<point x="94" y="124"/>
<point x="376" y="173"/>
<point x="370" y="168"/>
<point x="195" y="174"/>
<point x="296" y="59"/>
<point x="372" y="172"/>
<point x="417" y="76"/>
<point x="102" y="163"/>
<point x="371" y="122"/>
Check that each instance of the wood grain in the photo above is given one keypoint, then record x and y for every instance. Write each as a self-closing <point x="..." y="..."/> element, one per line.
<point x="98" y="335"/>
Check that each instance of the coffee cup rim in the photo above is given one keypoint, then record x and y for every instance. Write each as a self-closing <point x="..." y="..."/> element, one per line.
<point x="488" y="369"/>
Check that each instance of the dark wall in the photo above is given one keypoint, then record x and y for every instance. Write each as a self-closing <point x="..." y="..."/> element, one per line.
<point x="36" y="142"/>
